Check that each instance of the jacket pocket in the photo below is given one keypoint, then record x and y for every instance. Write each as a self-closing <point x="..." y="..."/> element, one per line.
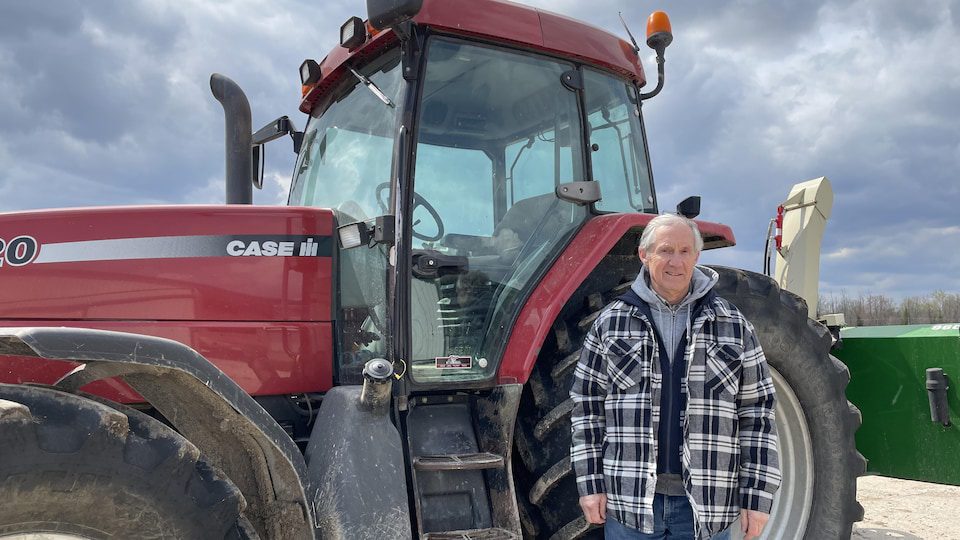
<point x="723" y="370"/>
<point x="627" y="361"/>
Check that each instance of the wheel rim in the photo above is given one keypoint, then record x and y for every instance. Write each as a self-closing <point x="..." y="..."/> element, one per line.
<point x="791" y="506"/>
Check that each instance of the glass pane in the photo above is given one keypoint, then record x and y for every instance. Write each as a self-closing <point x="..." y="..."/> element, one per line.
<point x="619" y="162"/>
<point x="345" y="164"/>
<point x="533" y="163"/>
<point x="497" y="133"/>
<point x="456" y="181"/>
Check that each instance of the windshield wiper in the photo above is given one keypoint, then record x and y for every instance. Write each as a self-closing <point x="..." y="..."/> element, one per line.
<point x="373" y="87"/>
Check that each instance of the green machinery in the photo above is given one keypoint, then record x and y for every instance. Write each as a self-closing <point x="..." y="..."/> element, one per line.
<point x="904" y="379"/>
<point x="910" y="417"/>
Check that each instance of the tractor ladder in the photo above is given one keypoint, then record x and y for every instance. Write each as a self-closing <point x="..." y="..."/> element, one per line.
<point x="459" y="462"/>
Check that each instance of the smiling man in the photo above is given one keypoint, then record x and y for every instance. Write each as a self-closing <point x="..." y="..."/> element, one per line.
<point x="673" y="422"/>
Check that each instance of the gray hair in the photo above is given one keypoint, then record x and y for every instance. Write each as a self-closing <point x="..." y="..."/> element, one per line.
<point x="667" y="220"/>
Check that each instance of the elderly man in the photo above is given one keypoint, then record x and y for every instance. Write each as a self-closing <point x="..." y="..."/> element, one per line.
<point x="673" y="428"/>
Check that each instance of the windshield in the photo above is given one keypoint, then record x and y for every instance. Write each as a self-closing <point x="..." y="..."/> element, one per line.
<point x="347" y="149"/>
<point x="346" y="165"/>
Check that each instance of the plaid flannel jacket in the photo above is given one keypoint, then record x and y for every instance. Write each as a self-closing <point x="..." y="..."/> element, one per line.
<point x="729" y="457"/>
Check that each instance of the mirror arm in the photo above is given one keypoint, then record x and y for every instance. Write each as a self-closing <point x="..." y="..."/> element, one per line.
<point x="276" y="129"/>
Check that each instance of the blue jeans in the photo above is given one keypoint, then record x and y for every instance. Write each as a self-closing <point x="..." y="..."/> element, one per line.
<point x="672" y="518"/>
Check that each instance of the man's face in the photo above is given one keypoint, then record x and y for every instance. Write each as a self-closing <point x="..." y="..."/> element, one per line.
<point x="670" y="261"/>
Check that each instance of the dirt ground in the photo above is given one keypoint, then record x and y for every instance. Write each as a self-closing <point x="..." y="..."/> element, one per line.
<point x="907" y="510"/>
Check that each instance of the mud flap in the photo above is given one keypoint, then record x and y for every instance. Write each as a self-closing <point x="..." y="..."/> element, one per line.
<point x="356" y="470"/>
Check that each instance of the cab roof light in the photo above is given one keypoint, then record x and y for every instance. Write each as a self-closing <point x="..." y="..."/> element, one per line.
<point x="353" y="33"/>
<point x="310" y="73"/>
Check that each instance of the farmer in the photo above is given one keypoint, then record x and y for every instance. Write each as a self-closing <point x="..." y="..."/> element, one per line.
<point x="673" y="418"/>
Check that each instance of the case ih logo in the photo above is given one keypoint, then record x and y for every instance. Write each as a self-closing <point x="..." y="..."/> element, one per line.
<point x="18" y="251"/>
<point x="306" y="247"/>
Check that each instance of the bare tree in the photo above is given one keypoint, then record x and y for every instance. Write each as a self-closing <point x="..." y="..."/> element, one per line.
<point x="878" y="309"/>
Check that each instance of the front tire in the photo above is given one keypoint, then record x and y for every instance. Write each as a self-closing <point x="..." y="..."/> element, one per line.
<point x="77" y="468"/>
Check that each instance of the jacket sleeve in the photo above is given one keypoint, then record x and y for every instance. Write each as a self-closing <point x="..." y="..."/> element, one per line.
<point x="759" y="459"/>
<point x="588" y="423"/>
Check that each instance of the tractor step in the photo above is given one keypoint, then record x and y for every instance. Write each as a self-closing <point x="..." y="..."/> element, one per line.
<point x="458" y="462"/>
<point x="472" y="534"/>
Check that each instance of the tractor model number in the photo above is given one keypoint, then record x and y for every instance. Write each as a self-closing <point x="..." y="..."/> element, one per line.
<point x="18" y="251"/>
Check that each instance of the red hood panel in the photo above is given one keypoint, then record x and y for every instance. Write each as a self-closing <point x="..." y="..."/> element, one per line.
<point x="167" y="263"/>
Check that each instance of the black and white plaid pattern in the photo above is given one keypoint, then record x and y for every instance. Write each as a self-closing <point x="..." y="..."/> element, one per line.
<point x="729" y="455"/>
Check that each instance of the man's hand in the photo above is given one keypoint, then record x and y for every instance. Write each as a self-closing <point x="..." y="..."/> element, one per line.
<point x="751" y="522"/>
<point x="594" y="508"/>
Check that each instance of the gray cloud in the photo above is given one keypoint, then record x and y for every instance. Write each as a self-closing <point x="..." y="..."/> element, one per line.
<point x="108" y="103"/>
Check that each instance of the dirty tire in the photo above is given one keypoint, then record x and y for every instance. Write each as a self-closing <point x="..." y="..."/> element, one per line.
<point x="796" y="348"/>
<point x="546" y="488"/>
<point x="77" y="467"/>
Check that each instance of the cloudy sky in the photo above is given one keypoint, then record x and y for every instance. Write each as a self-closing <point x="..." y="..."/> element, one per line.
<point x="107" y="102"/>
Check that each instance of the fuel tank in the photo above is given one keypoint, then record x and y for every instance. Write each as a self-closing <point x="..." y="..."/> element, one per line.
<point x="248" y="287"/>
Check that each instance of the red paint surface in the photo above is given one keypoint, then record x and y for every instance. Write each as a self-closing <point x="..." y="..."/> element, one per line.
<point x="594" y="241"/>
<point x="195" y="289"/>
<point x="535" y="29"/>
<point x="262" y="320"/>
<point x="264" y="358"/>
<point x="506" y="22"/>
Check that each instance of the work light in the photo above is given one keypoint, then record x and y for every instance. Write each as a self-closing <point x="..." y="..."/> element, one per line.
<point x="354" y="235"/>
<point x="309" y="72"/>
<point x="353" y="33"/>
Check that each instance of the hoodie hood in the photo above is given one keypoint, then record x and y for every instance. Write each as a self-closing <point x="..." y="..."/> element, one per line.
<point x="703" y="280"/>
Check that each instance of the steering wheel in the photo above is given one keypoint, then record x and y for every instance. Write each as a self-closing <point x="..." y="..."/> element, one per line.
<point x="418" y="201"/>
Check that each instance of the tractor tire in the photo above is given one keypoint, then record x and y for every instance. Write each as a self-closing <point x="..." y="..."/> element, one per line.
<point x="72" y="467"/>
<point x="816" y="423"/>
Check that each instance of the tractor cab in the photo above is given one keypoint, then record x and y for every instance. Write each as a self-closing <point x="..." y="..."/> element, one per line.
<point x="485" y="162"/>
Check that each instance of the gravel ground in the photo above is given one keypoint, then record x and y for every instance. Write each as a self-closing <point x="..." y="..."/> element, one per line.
<point x="907" y="510"/>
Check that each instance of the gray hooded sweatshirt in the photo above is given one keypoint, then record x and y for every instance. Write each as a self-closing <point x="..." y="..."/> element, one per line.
<point x="672" y="321"/>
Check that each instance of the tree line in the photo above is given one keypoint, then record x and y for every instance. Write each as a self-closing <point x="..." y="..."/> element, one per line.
<point x="877" y="309"/>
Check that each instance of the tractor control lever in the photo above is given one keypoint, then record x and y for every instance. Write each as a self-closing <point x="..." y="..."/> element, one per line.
<point x="430" y="264"/>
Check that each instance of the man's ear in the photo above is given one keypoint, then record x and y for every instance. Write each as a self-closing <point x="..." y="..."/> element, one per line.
<point x="642" y="254"/>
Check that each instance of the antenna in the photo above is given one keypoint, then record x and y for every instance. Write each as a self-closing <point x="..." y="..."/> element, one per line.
<point x="636" y="48"/>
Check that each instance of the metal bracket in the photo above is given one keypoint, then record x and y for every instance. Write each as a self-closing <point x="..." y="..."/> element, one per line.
<point x="572" y="80"/>
<point x="579" y="192"/>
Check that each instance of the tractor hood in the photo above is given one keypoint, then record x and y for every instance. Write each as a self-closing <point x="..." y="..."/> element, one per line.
<point x="247" y="287"/>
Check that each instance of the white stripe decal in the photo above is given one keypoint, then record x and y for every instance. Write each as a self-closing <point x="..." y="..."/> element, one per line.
<point x="163" y="247"/>
<point x="169" y="247"/>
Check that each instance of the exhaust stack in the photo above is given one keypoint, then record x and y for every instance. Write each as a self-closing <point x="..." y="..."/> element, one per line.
<point x="238" y="135"/>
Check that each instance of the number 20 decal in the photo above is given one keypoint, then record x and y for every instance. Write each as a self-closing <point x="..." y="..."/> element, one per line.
<point x="19" y="251"/>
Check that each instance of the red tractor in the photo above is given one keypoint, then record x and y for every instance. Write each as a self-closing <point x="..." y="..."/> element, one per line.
<point x="389" y="356"/>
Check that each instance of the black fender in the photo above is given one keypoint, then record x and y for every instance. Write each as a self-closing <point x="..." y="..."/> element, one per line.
<point x="202" y="403"/>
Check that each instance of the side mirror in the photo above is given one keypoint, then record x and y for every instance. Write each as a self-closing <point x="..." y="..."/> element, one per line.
<point x="257" y="153"/>
<point x="689" y="207"/>
<point x="384" y="14"/>
<point x="274" y="130"/>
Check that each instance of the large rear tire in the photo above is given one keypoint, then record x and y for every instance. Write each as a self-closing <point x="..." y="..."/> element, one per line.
<point x="77" y="468"/>
<point x="816" y="423"/>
